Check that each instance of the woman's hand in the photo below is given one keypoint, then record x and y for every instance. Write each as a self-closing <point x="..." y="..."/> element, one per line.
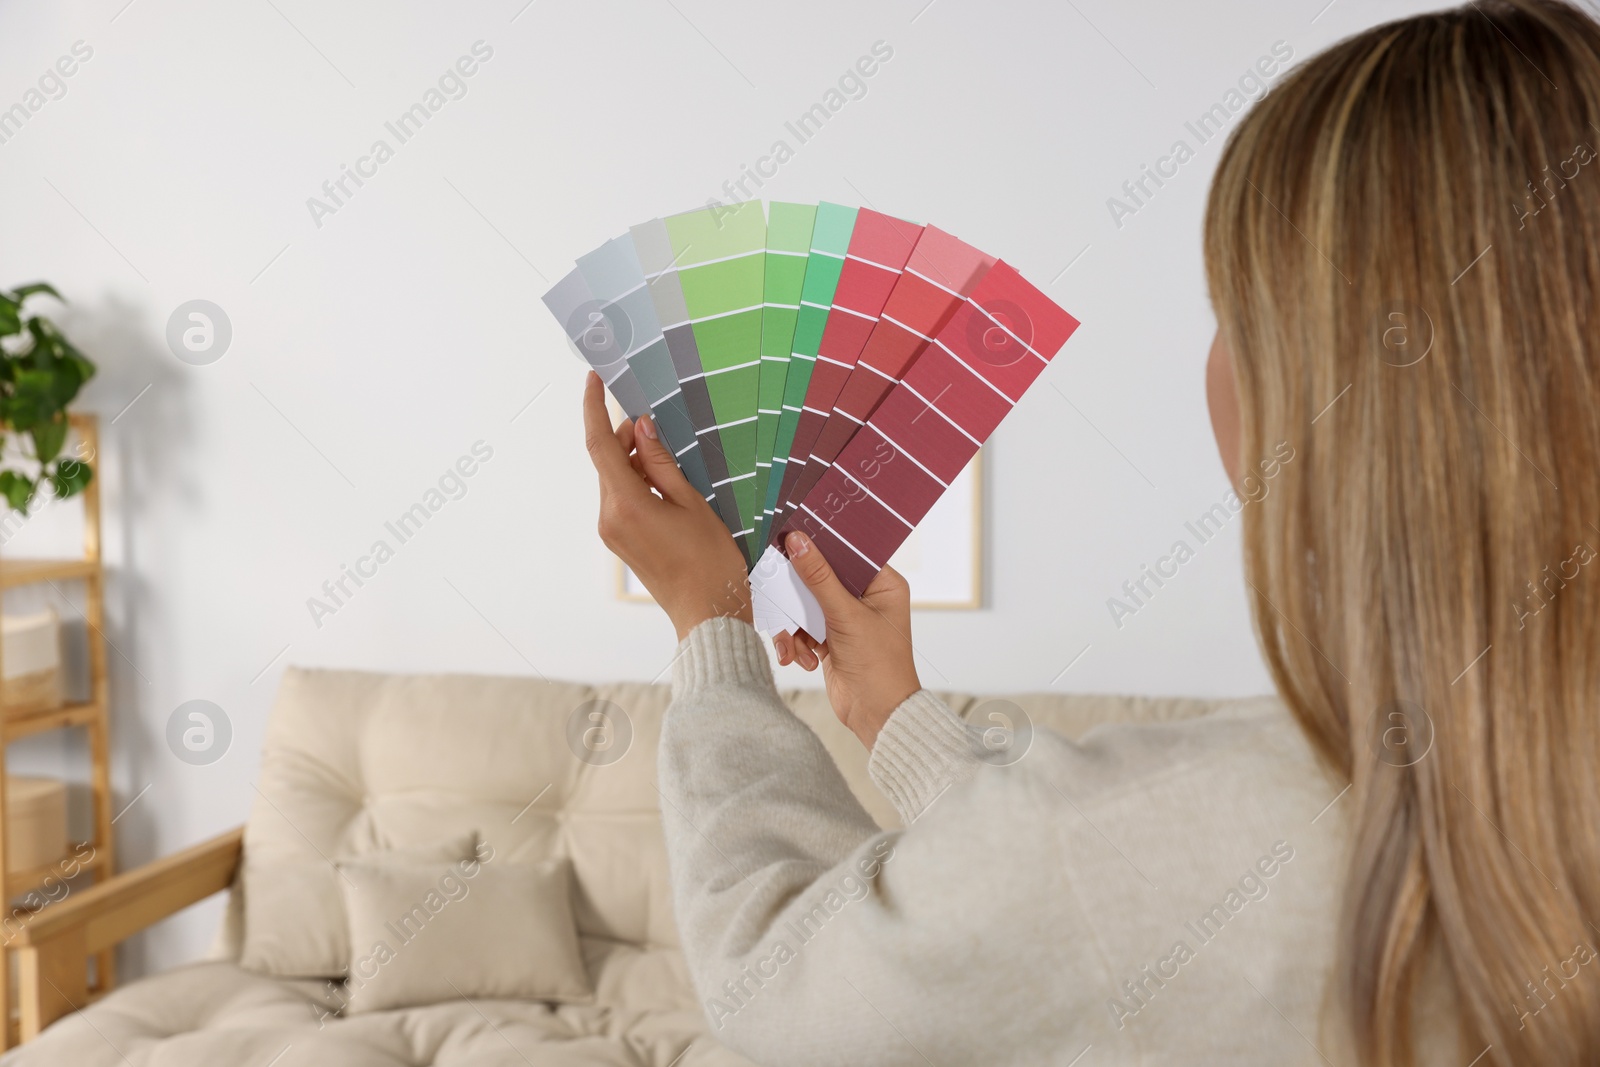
<point x="674" y="543"/>
<point x="866" y="660"/>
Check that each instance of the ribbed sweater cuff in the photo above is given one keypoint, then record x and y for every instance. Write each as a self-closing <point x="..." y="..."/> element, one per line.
<point x="921" y="751"/>
<point x="720" y="651"/>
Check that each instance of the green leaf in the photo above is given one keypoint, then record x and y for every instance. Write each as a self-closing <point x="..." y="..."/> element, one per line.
<point x="17" y="489"/>
<point x="86" y="367"/>
<point x="36" y="386"/>
<point x="65" y="382"/>
<point x="24" y="291"/>
<point x="48" y="437"/>
<point x="45" y="342"/>
<point x="32" y="400"/>
<point x="70" y="477"/>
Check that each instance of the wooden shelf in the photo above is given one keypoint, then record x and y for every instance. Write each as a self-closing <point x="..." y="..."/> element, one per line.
<point x="92" y="716"/>
<point x="17" y="572"/>
<point x="14" y="727"/>
<point x="19" y="883"/>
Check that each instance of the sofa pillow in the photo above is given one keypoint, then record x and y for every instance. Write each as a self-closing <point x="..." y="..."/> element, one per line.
<point x="294" y="921"/>
<point x="423" y="933"/>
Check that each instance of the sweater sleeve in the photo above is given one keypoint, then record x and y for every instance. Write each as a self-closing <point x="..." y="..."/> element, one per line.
<point x="922" y="751"/>
<point x="813" y="937"/>
<point x="753" y="804"/>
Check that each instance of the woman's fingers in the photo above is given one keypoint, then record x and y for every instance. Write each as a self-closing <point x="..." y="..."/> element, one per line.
<point x="799" y="648"/>
<point x="626" y="433"/>
<point x="632" y="457"/>
<point x="660" y="465"/>
<point x="807" y="561"/>
<point x="805" y="651"/>
<point x="606" y="450"/>
<point x="889" y="584"/>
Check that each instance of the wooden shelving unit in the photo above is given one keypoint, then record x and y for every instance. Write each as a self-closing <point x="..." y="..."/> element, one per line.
<point x="90" y="716"/>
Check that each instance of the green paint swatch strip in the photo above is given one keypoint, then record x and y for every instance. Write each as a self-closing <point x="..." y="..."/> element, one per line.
<point x="721" y="257"/>
<point x="830" y="239"/>
<point x="789" y="229"/>
<point x="654" y="248"/>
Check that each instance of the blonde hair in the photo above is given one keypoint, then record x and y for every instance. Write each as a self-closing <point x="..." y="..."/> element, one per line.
<point x="1403" y="248"/>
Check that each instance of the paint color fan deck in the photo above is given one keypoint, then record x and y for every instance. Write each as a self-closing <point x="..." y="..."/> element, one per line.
<point x="818" y="368"/>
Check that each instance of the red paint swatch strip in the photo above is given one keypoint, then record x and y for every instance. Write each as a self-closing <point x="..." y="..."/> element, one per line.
<point x="931" y="424"/>
<point x="941" y="271"/>
<point x="880" y="245"/>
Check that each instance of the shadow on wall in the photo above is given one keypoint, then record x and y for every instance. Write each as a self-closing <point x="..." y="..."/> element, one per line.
<point x="143" y="399"/>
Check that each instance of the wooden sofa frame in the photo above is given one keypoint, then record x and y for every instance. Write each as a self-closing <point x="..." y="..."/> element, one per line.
<point x="54" y="947"/>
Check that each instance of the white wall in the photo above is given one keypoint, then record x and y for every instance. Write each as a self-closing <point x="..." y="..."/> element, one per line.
<point x="371" y="351"/>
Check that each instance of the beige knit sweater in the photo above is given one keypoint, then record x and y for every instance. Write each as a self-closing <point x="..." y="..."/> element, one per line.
<point x="1156" y="894"/>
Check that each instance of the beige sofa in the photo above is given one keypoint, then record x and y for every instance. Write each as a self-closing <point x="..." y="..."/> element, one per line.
<point x="356" y="763"/>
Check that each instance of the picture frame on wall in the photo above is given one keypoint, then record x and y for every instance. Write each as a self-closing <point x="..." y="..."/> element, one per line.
<point x="942" y="560"/>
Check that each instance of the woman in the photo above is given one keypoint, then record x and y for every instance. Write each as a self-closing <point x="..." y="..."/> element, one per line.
<point x="1398" y="862"/>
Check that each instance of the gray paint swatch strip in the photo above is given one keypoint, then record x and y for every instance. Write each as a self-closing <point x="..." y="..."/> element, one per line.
<point x="616" y="278"/>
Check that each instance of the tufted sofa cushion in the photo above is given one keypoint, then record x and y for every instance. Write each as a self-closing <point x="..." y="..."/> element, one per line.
<point x="214" y="1014"/>
<point x="354" y="763"/>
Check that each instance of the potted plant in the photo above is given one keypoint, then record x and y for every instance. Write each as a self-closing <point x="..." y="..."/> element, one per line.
<point x="40" y="374"/>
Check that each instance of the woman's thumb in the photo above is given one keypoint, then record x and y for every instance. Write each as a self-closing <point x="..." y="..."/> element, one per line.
<point x="807" y="561"/>
<point x="659" y="464"/>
